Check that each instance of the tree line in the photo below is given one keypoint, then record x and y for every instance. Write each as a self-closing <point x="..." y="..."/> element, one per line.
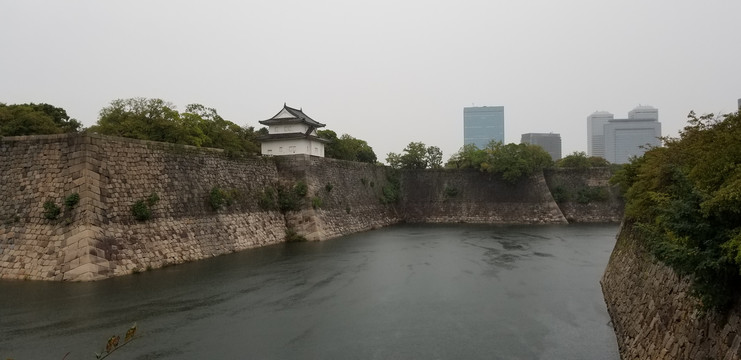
<point x="159" y="120"/>
<point x="202" y="126"/>
<point x="511" y="161"/>
<point x="684" y="199"/>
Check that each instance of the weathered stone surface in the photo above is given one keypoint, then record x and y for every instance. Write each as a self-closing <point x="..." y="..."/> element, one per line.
<point x="653" y="314"/>
<point x="570" y="182"/>
<point x="100" y="237"/>
<point x="469" y="196"/>
<point x="95" y="239"/>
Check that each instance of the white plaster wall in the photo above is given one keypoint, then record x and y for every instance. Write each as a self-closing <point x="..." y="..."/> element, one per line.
<point x="292" y="147"/>
<point x="292" y="128"/>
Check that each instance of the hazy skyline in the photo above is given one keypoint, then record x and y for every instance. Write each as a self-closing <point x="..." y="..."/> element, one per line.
<point x="382" y="71"/>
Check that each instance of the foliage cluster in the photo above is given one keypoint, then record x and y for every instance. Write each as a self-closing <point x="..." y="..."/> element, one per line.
<point x="590" y="194"/>
<point x="685" y="199"/>
<point x="511" y="161"/>
<point x="219" y="197"/>
<point x="283" y="197"/>
<point x="580" y="160"/>
<point x="35" y="119"/>
<point x="293" y="236"/>
<point x="157" y="120"/>
<point x="450" y="191"/>
<point x="391" y="192"/>
<point x="142" y="209"/>
<point x="346" y="147"/>
<point x="71" y="200"/>
<point x="560" y="194"/>
<point x="583" y="195"/>
<point x="416" y="155"/>
<point x="51" y="210"/>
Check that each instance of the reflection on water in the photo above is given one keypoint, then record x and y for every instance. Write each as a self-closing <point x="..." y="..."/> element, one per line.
<point x="412" y="291"/>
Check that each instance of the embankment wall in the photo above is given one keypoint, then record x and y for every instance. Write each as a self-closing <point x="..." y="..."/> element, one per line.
<point x="585" y="195"/>
<point x="470" y="196"/>
<point x="343" y="198"/>
<point x="653" y="314"/>
<point x="99" y="237"/>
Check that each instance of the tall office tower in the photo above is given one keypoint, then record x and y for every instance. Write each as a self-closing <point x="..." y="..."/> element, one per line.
<point x="629" y="137"/>
<point x="482" y="124"/>
<point x="550" y="142"/>
<point x="643" y="112"/>
<point x="596" y="133"/>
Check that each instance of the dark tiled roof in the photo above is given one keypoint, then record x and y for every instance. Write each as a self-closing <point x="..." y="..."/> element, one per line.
<point x="298" y="117"/>
<point x="290" y="136"/>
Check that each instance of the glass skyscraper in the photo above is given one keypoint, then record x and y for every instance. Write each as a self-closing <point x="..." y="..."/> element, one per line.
<point x="482" y="124"/>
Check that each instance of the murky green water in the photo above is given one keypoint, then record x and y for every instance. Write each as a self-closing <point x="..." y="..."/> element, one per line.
<point x="404" y="292"/>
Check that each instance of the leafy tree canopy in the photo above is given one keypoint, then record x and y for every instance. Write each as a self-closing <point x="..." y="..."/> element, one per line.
<point x="511" y="161"/>
<point x="35" y="119"/>
<point x="158" y="120"/>
<point x="685" y="198"/>
<point x="347" y="147"/>
<point x="416" y="155"/>
<point x="580" y="160"/>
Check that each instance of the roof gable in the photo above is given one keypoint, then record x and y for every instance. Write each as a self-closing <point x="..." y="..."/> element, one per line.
<point x="291" y="115"/>
<point x="283" y="114"/>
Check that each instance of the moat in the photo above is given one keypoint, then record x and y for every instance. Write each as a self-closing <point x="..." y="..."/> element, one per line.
<point x="402" y="292"/>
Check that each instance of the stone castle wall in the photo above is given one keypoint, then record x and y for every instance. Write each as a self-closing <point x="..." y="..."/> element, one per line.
<point x="34" y="170"/>
<point x="344" y="196"/>
<point x="568" y="183"/>
<point x="470" y="196"/>
<point x="653" y="314"/>
<point x="99" y="237"/>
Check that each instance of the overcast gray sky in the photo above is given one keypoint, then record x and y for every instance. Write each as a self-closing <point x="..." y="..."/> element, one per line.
<point x="388" y="72"/>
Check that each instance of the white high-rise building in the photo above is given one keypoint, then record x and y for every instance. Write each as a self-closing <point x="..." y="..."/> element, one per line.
<point x="644" y="112"/>
<point x="596" y="133"/>
<point x="617" y="140"/>
<point x="625" y="138"/>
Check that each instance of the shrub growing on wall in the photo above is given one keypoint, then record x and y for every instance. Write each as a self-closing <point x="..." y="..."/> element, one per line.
<point x="142" y="209"/>
<point x="283" y="197"/>
<point x="450" y="191"/>
<point x="71" y="200"/>
<point x="391" y="192"/>
<point x="51" y="210"/>
<point x="219" y="197"/>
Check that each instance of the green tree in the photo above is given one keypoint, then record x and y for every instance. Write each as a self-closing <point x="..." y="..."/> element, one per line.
<point x="140" y="118"/>
<point x="577" y="159"/>
<point x="511" y="161"/>
<point x="469" y="156"/>
<point x="516" y="161"/>
<point x="416" y="155"/>
<point x="394" y="160"/>
<point x="35" y="119"/>
<point x="434" y="157"/>
<point x="347" y="147"/>
<point x="157" y="120"/>
<point x="685" y="199"/>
